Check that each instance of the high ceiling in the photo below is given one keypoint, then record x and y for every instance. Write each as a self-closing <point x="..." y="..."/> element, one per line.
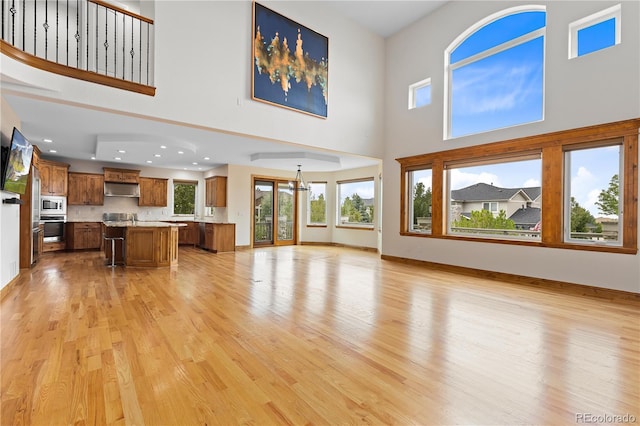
<point x="81" y="133"/>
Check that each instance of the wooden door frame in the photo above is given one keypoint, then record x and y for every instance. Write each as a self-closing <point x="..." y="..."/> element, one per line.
<point x="275" y="180"/>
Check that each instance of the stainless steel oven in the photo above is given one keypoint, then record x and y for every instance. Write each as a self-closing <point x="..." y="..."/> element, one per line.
<point x="53" y="206"/>
<point x="53" y="227"/>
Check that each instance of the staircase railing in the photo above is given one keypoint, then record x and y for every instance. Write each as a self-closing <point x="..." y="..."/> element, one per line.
<point x="86" y="39"/>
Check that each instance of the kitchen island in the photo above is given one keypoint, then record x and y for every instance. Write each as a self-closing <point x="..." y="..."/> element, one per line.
<point x="147" y="244"/>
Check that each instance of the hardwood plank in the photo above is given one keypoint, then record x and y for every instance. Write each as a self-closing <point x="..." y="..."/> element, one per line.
<point x="307" y="335"/>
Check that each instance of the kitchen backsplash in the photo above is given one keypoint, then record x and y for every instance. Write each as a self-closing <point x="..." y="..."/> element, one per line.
<point x="130" y="205"/>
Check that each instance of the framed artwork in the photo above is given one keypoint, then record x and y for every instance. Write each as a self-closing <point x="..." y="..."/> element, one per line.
<point x="290" y="63"/>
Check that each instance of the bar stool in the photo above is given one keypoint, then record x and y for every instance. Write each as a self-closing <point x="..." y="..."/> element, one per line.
<point x="113" y="248"/>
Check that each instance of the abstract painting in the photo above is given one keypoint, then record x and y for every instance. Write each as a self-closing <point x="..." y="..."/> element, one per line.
<point x="290" y="63"/>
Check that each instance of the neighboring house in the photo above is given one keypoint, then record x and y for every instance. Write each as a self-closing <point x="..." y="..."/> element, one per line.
<point x="522" y="205"/>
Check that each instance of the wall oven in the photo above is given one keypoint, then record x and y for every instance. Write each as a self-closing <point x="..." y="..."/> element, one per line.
<point x="53" y="206"/>
<point x="53" y="227"/>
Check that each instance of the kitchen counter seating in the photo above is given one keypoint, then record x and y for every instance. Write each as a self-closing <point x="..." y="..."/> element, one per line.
<point x="147" y="244"/>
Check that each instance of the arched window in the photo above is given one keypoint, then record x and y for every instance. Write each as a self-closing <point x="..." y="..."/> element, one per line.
<point x="495" y="73"/>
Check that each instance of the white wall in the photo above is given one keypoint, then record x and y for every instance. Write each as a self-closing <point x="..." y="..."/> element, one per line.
<point x="598" y="88"/>
<point x="9" y="213"/>
<point x="203" y="77"/>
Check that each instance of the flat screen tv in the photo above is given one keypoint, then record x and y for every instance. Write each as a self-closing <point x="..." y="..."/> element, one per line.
<point x="16" y="163"/>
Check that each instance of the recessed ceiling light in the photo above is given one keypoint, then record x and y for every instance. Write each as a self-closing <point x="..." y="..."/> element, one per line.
<point x="117" y="158"/>
<point x="149" y="161"/>
<point x="163" y="147"/>
<point x="180" y="152"/>
<point x="184" y="168"/>
<point x="156" y="155"/>
<point x="93" y="158"/>
<point x="206" y="158"/>
<point x="194" y="163"/>
<point x="199" y="168"/>
<point x="53" y="151"/>
<point x="47" y="140"/>
<point x="122" y="151"/>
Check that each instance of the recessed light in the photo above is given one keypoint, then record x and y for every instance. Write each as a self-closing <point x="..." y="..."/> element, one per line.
<point x="53" y="151"/>
<point x="117" y="158"/>
<point x="163" y="147"/>
<point x="184" y="168"/>
<point x="206" y="158"/>
<point x="122" y="151"/>
<point x="194" y="163"/>
<point x="199" y="168"/>
<point x="47" y="140"/>
<point x="156" y="155"/>
<point x="149" y="161"/>
<point x="180" y="152"/>
<point x="93" y="158"/>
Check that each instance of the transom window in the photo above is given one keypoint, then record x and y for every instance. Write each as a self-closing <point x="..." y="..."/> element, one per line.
<point x="595" y="32"/>
<point x="420" y="94"/>
<point x="495" y="73"/>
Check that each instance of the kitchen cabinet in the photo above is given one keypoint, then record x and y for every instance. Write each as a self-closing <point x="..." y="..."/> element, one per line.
<point x="218" y="237"/>
<point x="53" y="177"/>
<point x="188" y="234"/>
<point x="216" y="191"/>
<point x="84" y="235"/>
<point x="86" y="189"/>
<point x="153" y="192"/>
<point x="121" y="175"/>
<point x="151" y="246"/>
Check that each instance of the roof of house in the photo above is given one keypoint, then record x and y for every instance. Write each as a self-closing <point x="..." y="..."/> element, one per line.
<point x="486" y="192"/>
<point x="530" y="215"/>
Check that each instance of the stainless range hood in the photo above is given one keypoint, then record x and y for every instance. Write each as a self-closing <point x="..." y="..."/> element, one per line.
<point x="131" y="190"/>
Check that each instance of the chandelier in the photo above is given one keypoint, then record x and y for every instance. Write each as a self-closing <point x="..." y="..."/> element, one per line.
<point x="298" y="184"/>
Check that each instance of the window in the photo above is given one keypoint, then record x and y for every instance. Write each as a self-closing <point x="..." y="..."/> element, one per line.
<point x="356" y="203"/>
<point x="573" y="189"/>
<point x="184" y="197"/>
<point x="420" y="208"/>
<point x="595" y="32"/>
<point x="592" y="204"/>
<point x="496" y="198"/>
<point x="495" y="73"/>
<point x="317" y="207"/>
<point x="420" y="94"/>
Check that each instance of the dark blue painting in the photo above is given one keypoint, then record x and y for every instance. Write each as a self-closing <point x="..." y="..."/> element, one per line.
<point x="290" y="63"/>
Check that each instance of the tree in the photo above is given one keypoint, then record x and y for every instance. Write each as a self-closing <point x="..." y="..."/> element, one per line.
<point x="484" y="219"/>
<point x="580" y="218"/>
<point x="318" y="209"/>
<point x="608" y="199"/>
<point x="184" y="198"/>
<point x="421" y="202"/>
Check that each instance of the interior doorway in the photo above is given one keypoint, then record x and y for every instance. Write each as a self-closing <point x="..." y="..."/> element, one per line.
<point x="275" y="220"/>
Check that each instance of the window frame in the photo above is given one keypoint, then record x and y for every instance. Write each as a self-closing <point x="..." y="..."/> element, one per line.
<point x="310" y="224"/>
<point x="361" y="225"/>
<point x="193" y="183"/>
<point x="449" y="68"/>
<point x="413" y="93"/>
<point x="552" y="147"/>
<point x="614" y="12"/>
<point x="409" y="207"/>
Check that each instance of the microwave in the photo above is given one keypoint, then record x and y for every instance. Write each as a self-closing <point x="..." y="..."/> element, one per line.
<point x="53" y="205"/>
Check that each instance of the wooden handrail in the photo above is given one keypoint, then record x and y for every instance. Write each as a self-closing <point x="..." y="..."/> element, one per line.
<point x="118" y="9"/>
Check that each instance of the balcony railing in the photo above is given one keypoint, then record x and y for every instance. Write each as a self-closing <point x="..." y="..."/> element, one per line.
<point x="86" y="39"/>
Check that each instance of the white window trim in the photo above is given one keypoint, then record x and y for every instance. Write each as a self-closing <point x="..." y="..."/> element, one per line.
<point x="591" y="20"/>
<point x="414" y="88"/>
<point x="448" y="68"/>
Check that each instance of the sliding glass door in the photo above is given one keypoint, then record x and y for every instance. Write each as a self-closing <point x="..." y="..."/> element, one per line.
<point x="275" y="207"/>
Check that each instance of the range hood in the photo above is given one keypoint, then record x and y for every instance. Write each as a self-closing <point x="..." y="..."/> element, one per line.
<point x="112" y="189"/>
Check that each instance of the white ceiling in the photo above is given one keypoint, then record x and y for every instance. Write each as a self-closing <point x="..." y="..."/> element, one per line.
<point x="81" y="133"/>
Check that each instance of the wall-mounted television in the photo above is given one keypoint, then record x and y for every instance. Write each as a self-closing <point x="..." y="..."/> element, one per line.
<point x="16" y="164"/>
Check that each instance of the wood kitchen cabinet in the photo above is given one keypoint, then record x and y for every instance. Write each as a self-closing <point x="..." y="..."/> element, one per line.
<point x="188" y="234"/>
<point x="86" y="189"/>
<point x="216" y="191"/>
<point x="153" y="192"/>
<point x="53" y="177"/>
<point x="218" y="237"/>
<point x="121" y="175"/>
<point x="84" y="235"/>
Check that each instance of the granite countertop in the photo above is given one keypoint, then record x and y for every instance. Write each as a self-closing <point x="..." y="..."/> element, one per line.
<point x="138" y="224"/>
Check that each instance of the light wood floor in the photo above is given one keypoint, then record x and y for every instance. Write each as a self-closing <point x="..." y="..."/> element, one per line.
<point x="307" y="335"/>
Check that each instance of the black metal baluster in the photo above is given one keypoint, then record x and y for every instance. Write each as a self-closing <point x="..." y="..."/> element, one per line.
<point x="77" y="34"/>
<point x="106" y="42"/>
<point x="87" y="39"/>
<point x="24" y="21"/>
<point x="3" y="19"/>
<point x="140" y="50"/>
<point x="148" y="26"/>
<point x="133" y="52"/>
<point x="124" y="35"/>
<point x="35" y="28"/>
<point x="68" y="33"/>
<point x="96" y="47"/>
<point x="46" y="28"/>
<point x="57" y="30"/>
<point x="115" y="44"/>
